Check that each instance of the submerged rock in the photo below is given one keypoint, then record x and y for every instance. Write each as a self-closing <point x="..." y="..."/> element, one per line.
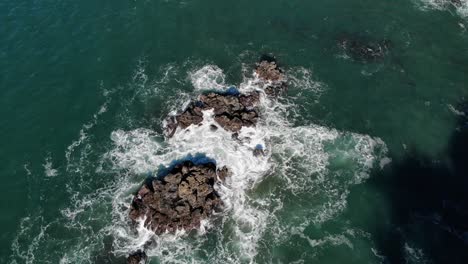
<point x="138" y="257"/>
<point x="258" y="151"/>
<point x="267" y="70"/>
<point x="231" y="112"/>
<point x="364" y="50"/>
<point x="181" y="199"/>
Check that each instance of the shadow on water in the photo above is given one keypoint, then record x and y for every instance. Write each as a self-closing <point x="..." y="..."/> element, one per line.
<point x="428" y="201"/>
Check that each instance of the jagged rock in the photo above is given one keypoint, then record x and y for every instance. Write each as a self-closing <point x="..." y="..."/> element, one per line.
<point x="364" y="50"/>
<point x="267" y="70"/>
<point x="138" y="257"/>
<point x="187" y="118"/>
<point x="179" y="200"/>
<point x="231" y="112"/>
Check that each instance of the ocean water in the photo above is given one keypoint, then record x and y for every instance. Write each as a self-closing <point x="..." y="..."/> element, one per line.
<point x="365" y="161"/>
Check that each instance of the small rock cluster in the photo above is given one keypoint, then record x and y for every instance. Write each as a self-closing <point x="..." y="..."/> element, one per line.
<point x="231" y="112"/>
<point x="179" y="200"/>
<point x="268" y="70"/>
<point x="364" y="50"/>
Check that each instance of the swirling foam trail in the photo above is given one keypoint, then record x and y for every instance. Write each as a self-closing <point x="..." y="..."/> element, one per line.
<point x="461" y="9"/>
<point x="302" y="150"/>
<point x="208" y="77"/>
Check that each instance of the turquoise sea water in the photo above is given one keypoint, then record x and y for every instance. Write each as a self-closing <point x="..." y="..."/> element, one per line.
<point x="366" y="159"/>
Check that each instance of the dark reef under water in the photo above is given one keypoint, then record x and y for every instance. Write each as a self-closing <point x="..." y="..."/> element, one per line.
<point x="428" y="201"/>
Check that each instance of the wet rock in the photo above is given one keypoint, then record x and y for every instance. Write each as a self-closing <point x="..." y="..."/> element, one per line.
<point x="267" y="70"/>
<point x="249" y="101"/>
<point x="364" y="50"/>
<point x="188" y="118"/>
<point x="138" y="257"/>
<point x="231" y="111"/>
<point x="179" y="200"/>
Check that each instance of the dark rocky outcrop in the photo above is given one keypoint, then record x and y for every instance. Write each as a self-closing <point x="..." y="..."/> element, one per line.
<point x="138" y="257"/>
<point x="364" y="50"/>
<point x="231" y="112"/>
<point x="179" y="200"/>
<point x="268" y="70"/>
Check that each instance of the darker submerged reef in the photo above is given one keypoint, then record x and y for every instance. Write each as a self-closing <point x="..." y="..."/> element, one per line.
<point x="364" y="49"/>
<point x="428" y="203"/>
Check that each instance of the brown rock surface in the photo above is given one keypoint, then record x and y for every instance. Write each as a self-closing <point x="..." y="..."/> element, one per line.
<point x="268" y="70"/>
<point x="181" y="199"/>
<point x="231" y="112"/>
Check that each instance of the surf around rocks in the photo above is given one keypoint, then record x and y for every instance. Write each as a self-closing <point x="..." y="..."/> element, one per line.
<point x="186" y="194"/>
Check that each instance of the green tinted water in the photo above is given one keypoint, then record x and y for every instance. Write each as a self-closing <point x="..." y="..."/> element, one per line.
<point x="62" y="62"/>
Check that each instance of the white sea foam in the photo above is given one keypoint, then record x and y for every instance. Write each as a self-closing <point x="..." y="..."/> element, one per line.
<point x="332" y="239"/>
<point x="209" y="77"/>
<point x="461" y="10"/>
<point x="26" y="168"/>
<point x="139" y="151"/>
<point x="455" y="111"/>
<point x="27" y="225"/>
<point x="302" y="79"/>
<point x="414" y="254"/>
<point x="49" y="170"/>
<point x="83" y="134"/>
